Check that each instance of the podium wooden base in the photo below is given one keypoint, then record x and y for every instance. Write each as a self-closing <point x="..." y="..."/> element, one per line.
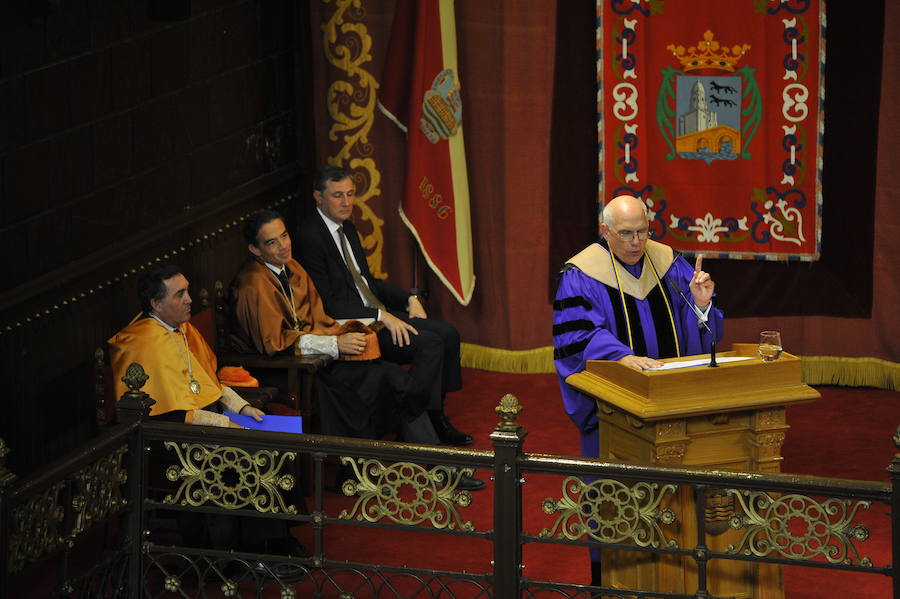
<point x="688" y="417"/>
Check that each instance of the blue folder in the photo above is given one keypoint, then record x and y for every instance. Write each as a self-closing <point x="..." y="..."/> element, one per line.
<point x="278" y="424"/>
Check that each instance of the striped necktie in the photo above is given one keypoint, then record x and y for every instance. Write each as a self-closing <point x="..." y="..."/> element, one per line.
<point x="373" y="301"/>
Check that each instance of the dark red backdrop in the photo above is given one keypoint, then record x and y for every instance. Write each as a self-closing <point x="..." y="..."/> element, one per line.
<point x="532" y="159"/>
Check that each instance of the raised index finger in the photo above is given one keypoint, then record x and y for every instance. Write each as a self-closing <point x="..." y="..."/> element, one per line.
<point x="699" y="263"/>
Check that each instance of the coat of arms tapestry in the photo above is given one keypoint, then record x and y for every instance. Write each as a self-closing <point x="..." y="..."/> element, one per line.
<point x="711" y="112"/>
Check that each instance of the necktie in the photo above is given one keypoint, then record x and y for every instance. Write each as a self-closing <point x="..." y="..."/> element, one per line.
<point x="373" y="301"/>
<point x="285" y="277"/>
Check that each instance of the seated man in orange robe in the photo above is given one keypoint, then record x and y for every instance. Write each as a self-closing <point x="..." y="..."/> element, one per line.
<point x="181" y="365"/>
<point x="280" y="311"/>
<point x="183" y="382"/>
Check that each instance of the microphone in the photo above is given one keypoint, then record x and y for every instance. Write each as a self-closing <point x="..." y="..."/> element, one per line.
<point x="700" y="320"/>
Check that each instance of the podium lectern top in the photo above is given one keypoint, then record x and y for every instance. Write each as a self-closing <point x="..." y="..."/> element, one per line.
<point x="733" y="386"/>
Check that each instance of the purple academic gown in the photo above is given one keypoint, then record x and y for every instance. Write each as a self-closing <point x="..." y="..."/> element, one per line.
<point x="580" y="299"/>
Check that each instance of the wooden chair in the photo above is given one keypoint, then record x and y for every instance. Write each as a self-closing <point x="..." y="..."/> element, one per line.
<point x="233" y="349"/>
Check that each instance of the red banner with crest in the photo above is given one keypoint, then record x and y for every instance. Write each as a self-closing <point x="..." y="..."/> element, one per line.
<point x="711" y="112"/>
<point x="420" y="93"/>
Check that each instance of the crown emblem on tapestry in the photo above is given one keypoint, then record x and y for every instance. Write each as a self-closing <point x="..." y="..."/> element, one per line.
<point x="708" y="54"/>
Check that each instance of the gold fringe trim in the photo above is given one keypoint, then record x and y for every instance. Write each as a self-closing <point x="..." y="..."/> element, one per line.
<point x="817" y="370"/>
<point x="527" y="361"/>
<point x="851" y="372"/>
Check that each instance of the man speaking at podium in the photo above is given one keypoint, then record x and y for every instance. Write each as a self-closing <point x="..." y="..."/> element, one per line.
<point x="624" y="299"/>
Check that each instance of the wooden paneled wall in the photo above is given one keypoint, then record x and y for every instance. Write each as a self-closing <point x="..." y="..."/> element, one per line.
<point x="126" y="140"/>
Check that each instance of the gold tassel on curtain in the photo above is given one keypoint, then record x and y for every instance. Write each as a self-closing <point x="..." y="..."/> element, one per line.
<point x="851" y="372"/>
<point x="817" y="370"/>
<point x="528" y="361"/>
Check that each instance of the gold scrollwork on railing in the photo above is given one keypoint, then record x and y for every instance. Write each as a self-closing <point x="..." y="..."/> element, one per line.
<point x="35" y="528"/>
<point x="230" y="477"/>
<point x="798" y="527"/>
<point x="99" y="490"/>
<point x="351" y="102"/>
<point x="611" y="512"/>
<point x="407" y="493"/>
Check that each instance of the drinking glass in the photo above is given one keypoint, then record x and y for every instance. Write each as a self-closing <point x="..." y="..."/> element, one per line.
<point x="770" y="346"/>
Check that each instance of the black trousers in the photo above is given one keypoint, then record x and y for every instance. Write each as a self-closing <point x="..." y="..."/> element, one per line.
<point x="433" y="355"/>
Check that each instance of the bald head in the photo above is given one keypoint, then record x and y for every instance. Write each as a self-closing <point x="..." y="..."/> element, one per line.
<point x="625" y="228"/>
<point x="621" y="207"/>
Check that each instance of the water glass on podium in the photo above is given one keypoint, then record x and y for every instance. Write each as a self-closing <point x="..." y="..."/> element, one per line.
<point x="770" y="346"/>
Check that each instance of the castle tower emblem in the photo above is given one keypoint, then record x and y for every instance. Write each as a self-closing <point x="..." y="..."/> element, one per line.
<point x="708" y="101"/>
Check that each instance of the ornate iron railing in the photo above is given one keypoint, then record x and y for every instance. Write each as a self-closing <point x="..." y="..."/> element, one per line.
<point x="105" y="504"/>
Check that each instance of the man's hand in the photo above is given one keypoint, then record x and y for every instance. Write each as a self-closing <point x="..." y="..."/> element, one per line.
<point x="399" y="329"/>
<point x="640" y="362"/>
<point x="249" y="410"/>
<point x="351" y="344"/>
<point x="414" y="308"/>
<point x="702" y="285"/>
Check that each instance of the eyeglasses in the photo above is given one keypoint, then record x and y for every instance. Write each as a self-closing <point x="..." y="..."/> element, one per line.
<point x="629" y="235"/>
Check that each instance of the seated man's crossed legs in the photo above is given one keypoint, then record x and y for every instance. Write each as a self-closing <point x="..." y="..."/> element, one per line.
<point x="433" y="356"/>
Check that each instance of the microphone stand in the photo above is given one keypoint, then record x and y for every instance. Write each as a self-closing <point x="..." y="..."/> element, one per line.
<point x="701" y="322"/>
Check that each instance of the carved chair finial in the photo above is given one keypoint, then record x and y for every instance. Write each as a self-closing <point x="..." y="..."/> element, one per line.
<point x="204" y="298"/>
<point x="135" y="377"/>
<point x="99" y="357"/>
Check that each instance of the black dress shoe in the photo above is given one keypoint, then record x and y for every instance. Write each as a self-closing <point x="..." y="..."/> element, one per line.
<point x="449" y="434"/>
<point x="469" y="483"/>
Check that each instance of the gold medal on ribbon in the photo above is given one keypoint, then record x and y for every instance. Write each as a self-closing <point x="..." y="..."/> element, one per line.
<point x="194" y="386"/>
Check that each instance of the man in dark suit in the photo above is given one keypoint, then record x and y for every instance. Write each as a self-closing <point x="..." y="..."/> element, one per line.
<point x="332" y="254"/>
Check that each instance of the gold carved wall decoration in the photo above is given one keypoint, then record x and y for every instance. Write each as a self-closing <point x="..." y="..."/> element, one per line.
<point x="351" y="101"/>
<point x="611" y="512"/>
<point x="407" y="493"/>
<point x="99" y="490"/>
<point x="230" y="477"/>
<point x="798" y="527"/>
<point x="35" y="528"/>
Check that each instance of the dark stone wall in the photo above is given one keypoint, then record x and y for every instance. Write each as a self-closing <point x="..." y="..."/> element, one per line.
<point x="125" y="139"/>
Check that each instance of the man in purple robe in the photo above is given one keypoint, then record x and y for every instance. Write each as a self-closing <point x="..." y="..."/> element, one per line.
<point x="619" y="300"/>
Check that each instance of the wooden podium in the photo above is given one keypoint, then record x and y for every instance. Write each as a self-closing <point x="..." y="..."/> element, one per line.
<point x="731" y="417"/>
